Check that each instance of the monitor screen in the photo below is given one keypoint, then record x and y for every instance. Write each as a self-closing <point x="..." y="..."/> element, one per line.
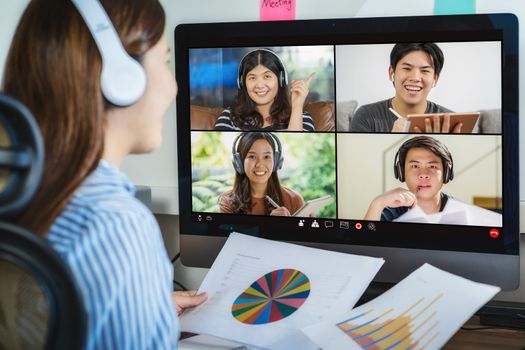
<point x="393" y="137"/>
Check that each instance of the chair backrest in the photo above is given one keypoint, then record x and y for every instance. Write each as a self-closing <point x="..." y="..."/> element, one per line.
<point x="40" y="304"/>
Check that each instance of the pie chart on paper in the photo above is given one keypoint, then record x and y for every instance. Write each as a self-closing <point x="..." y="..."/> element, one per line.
<point x="272" y="297"/>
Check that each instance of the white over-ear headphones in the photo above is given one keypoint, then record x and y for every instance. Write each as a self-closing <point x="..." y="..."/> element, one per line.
<point x="123" y="79"/>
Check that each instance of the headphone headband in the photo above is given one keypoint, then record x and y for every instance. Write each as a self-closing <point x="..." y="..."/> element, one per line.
<point x="400" y="158"/>
<point x="282" y="77"/>
<point x="123" y="80"/>
<point x="238" y="162"/>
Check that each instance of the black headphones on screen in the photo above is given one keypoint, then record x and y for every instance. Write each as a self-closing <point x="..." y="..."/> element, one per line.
<point x="399" y="159"/>
<point x="282" y="77"/>
<point x="123" y="80"/>
<point x="238" y="162"/>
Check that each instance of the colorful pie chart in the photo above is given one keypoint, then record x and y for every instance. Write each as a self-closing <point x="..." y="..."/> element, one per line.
<point x="274" y="296"/>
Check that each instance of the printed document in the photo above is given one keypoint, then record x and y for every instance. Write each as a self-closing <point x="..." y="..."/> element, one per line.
<point x="261" y="292"/>
<point x="454" y="213"/>
<point x="421" y="312"/>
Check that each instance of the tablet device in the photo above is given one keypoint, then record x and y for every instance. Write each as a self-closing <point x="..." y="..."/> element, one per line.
<point x="468" y="120"/>
<point x="313" y="206"/>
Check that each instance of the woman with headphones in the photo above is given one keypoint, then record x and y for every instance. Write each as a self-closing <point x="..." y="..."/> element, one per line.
<point x="263" y="100"/>
<point x="96" y="78"/>
<point x="257" y="156"/>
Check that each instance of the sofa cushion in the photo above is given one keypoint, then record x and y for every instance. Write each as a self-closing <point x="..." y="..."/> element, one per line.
<point x="345" y="112"/>
<point x="322" y="112"/>
<point x="203" y="118"/>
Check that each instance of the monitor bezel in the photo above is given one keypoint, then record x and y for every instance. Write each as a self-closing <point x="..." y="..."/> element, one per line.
<point x="452" y="28"/>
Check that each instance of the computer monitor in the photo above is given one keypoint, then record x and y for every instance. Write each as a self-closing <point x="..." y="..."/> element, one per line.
<point x="229" y="164"/>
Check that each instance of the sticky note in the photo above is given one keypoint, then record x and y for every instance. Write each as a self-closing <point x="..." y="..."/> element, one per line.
<point x="277" y="10"/>
<point x="453" y="7"/>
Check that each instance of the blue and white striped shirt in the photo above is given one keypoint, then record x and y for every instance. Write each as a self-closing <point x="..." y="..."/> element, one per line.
<point x="114" y="248"/>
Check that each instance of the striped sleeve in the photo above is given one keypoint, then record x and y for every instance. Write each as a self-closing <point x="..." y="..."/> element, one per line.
<point x="119" y="260"/>
<point x="308" y="123"/>
<point x="224" y="122"/>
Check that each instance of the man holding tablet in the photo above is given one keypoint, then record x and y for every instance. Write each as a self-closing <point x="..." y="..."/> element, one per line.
<point x="414" y="70"/>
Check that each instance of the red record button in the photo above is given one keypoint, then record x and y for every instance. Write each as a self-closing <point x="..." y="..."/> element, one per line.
<point x="494" y="233"/>
<point x="358" y="226"/>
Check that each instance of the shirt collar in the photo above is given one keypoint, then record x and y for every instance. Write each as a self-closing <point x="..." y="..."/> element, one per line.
<point x="107" y="174"/>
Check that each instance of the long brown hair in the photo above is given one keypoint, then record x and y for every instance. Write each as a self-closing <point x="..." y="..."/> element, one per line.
<point x="241" y="194"/>
<point x="54" y="67"/>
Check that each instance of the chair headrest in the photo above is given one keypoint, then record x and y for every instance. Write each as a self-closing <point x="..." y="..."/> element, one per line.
<point x="21" y="156"/>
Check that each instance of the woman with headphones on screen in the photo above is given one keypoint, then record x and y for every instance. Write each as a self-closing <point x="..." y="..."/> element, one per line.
<point x="256" y="189"/>
<point x="85" y="205"/>
<point x="262" y="97"/>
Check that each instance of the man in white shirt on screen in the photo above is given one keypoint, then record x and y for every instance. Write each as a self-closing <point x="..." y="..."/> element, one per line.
<point x="425" y="164"/>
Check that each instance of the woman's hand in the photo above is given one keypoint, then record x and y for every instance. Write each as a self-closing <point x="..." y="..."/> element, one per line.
<point x="299" y="90"/>
<point x="398" y="197"/>
<point x="281" y="211"/>
<point x="186" y="299"/>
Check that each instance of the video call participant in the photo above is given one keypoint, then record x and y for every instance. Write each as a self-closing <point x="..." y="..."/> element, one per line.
<point x="257" y="156"/>
<point x="263" y="100"/>
<point x="414" y="70"/>
<point x="425" y="164"/>
<point x="85" y="206"/>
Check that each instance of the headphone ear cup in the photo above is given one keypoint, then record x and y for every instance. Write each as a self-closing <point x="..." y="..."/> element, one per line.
<point x="240" y="79"/>
<point x="237" y="163"/>
<point x="449" y="174"/>
<point x="278" y="161"/>
<point x="398" y="172"/>
<point x="283" y="81"/>
<point x="123" y="79"/>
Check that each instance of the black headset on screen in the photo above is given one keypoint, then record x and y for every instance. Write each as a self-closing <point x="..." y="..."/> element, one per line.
<point x="238" y="162"/>
<point x="282" y="77"/>
<point x="123" y="80"/>
<point x="399" y="161"/>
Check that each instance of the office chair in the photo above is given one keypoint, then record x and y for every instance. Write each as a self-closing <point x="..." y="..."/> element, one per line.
<point x="40" y="305"/>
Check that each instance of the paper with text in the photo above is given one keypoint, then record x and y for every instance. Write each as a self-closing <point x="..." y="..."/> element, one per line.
<point x="261" y="292"/>
<point x="454" y="213"/>
<point x="421" y="312"/>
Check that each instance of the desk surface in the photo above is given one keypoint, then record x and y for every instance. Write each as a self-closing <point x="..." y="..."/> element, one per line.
<point x="488" y="338"/>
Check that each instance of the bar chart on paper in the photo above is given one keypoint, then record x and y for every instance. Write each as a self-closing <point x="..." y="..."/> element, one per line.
<point x="416" y="327"/>
<point x="419" y="313"/>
